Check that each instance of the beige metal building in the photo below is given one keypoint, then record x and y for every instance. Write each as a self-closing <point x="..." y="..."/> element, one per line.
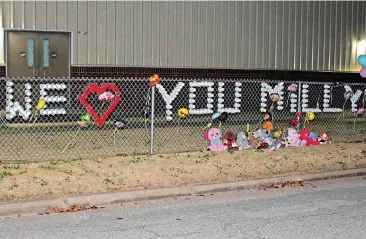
<point x="319" y="36"/>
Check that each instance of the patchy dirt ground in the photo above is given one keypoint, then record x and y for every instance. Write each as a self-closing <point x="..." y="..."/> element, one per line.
<point x="62" y="178"/>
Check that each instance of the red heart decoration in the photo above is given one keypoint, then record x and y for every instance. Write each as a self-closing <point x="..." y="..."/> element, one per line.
<point x="94" y="88"/>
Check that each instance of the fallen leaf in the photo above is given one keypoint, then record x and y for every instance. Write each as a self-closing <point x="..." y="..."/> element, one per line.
<point x="73" y="208"/>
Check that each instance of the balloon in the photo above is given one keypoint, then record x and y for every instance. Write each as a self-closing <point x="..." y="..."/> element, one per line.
<point x="294" y="122"/>
<point x="292" y="88"/>
<point x="277" y="134"/>
<point x="121" y="124"/>
<point x="215" y="116"/>
<point x="219" y="117"/>
<point x="41" y="103"/>
<point x="274" y="97"/>
<point x="362" y="60"/>
<point x="85" y="120"/>
<point x="363" y="72"/>
<point x="183" y="112"/>
<point x="337" y="84"/>
<point x="360" y="111"/>
<point x="347" y="95"/>
<point x="223" y="117"/>
<point x="154" y="79"/>
<point x="85" y="117"/>
<point x="310" y="116"/>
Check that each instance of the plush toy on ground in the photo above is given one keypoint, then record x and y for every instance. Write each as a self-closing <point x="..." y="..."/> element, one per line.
<point x="230" y="140"/>
<point x="324" y="138"/>
<point x="293" y="137"/>
<point x="285" y="143"/>
<point x="263" y="139"/>
<point x="305" y="139"/>
<point x="253" y="138"/>
<point x="277" y="137"/>
<point x="267" y="142"/>
<point x="214" y="135"/>
<point x="242" y="141"/>
<point x="313" y="136"/>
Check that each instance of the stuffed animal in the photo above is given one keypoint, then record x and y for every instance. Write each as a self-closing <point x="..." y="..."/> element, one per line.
<point x="266" y="141"/>
<point x="304" y="137"/>
<point x="285" y="143"/>
<point x="262" y="136"/>
<point x="293" y="137"/>
<point x="242" y="141"/>
<point x="214" y="135"/>
<point x="253" y="139"/>
<point x="313" y="136"/>
<point x="267" y="123"/>
<point x="324" y="138"/>
<point x="230" y="140"/>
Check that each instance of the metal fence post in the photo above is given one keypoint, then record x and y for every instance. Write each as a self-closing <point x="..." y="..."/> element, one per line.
<point x="152" y="120"/>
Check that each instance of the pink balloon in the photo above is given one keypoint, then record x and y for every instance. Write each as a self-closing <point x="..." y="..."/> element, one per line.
<point x="363" y="72"/>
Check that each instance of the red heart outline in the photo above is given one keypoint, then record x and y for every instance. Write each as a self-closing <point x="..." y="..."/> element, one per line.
<point x="94" y="88"/>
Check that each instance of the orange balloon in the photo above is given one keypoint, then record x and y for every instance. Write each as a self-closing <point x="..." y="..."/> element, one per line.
<point x="154" y="79"/>
<point x="268" y="126"/>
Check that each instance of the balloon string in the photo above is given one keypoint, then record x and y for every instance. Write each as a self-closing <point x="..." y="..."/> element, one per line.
<point x="342" y="113"/>
<point x="207" y="126"/>
<point x="114" y="138"/>
<point x="288" y="99"/>
<point x="257" y="126"/>
<point x="35" y="117"/>
<point x="178" y="126"/>
<point x="115" y="131"/>
<point x="72" y="141"/>
<point x="5" y="123"/>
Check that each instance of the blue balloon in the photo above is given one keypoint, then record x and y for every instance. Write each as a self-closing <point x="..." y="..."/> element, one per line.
<point x="362" y="60"/>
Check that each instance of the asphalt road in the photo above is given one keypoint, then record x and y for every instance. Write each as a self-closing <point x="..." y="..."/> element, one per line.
<point x="328" y="209"/>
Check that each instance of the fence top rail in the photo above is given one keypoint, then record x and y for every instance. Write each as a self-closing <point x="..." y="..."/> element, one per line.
<point x="172" y="79"/>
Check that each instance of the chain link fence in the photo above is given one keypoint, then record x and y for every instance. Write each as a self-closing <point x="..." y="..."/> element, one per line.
<point x="56" y="131"/>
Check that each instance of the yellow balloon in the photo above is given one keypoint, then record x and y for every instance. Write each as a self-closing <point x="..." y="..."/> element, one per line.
<point x="310" y="116"/>
<point x="183" y="112"/>
<point x="41" y="103"/>
<point x="277" y="133"/>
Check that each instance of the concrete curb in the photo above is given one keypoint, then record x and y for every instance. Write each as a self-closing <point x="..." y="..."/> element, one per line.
<point x="35" y="206"/>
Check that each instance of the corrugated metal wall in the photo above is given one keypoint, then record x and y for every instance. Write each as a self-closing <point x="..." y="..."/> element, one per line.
<point x="269" y="35"/>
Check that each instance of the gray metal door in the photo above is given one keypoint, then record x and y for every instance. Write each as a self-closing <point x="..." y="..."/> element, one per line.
<point x="54" y="54"/>
<point x="38" y="54"/>
<point x="22" y="54"/>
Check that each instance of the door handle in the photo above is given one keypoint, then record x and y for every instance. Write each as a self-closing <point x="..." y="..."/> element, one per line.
<point x="34" y="69"/>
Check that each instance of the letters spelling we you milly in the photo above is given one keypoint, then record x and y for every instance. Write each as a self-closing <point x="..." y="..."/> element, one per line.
<point x="295" y="95"/>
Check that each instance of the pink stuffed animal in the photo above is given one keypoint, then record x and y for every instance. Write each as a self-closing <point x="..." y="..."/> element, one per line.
<point x="293" y="137"/>
<point x="304" y="136"/>
<point x="214" y="136"/>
